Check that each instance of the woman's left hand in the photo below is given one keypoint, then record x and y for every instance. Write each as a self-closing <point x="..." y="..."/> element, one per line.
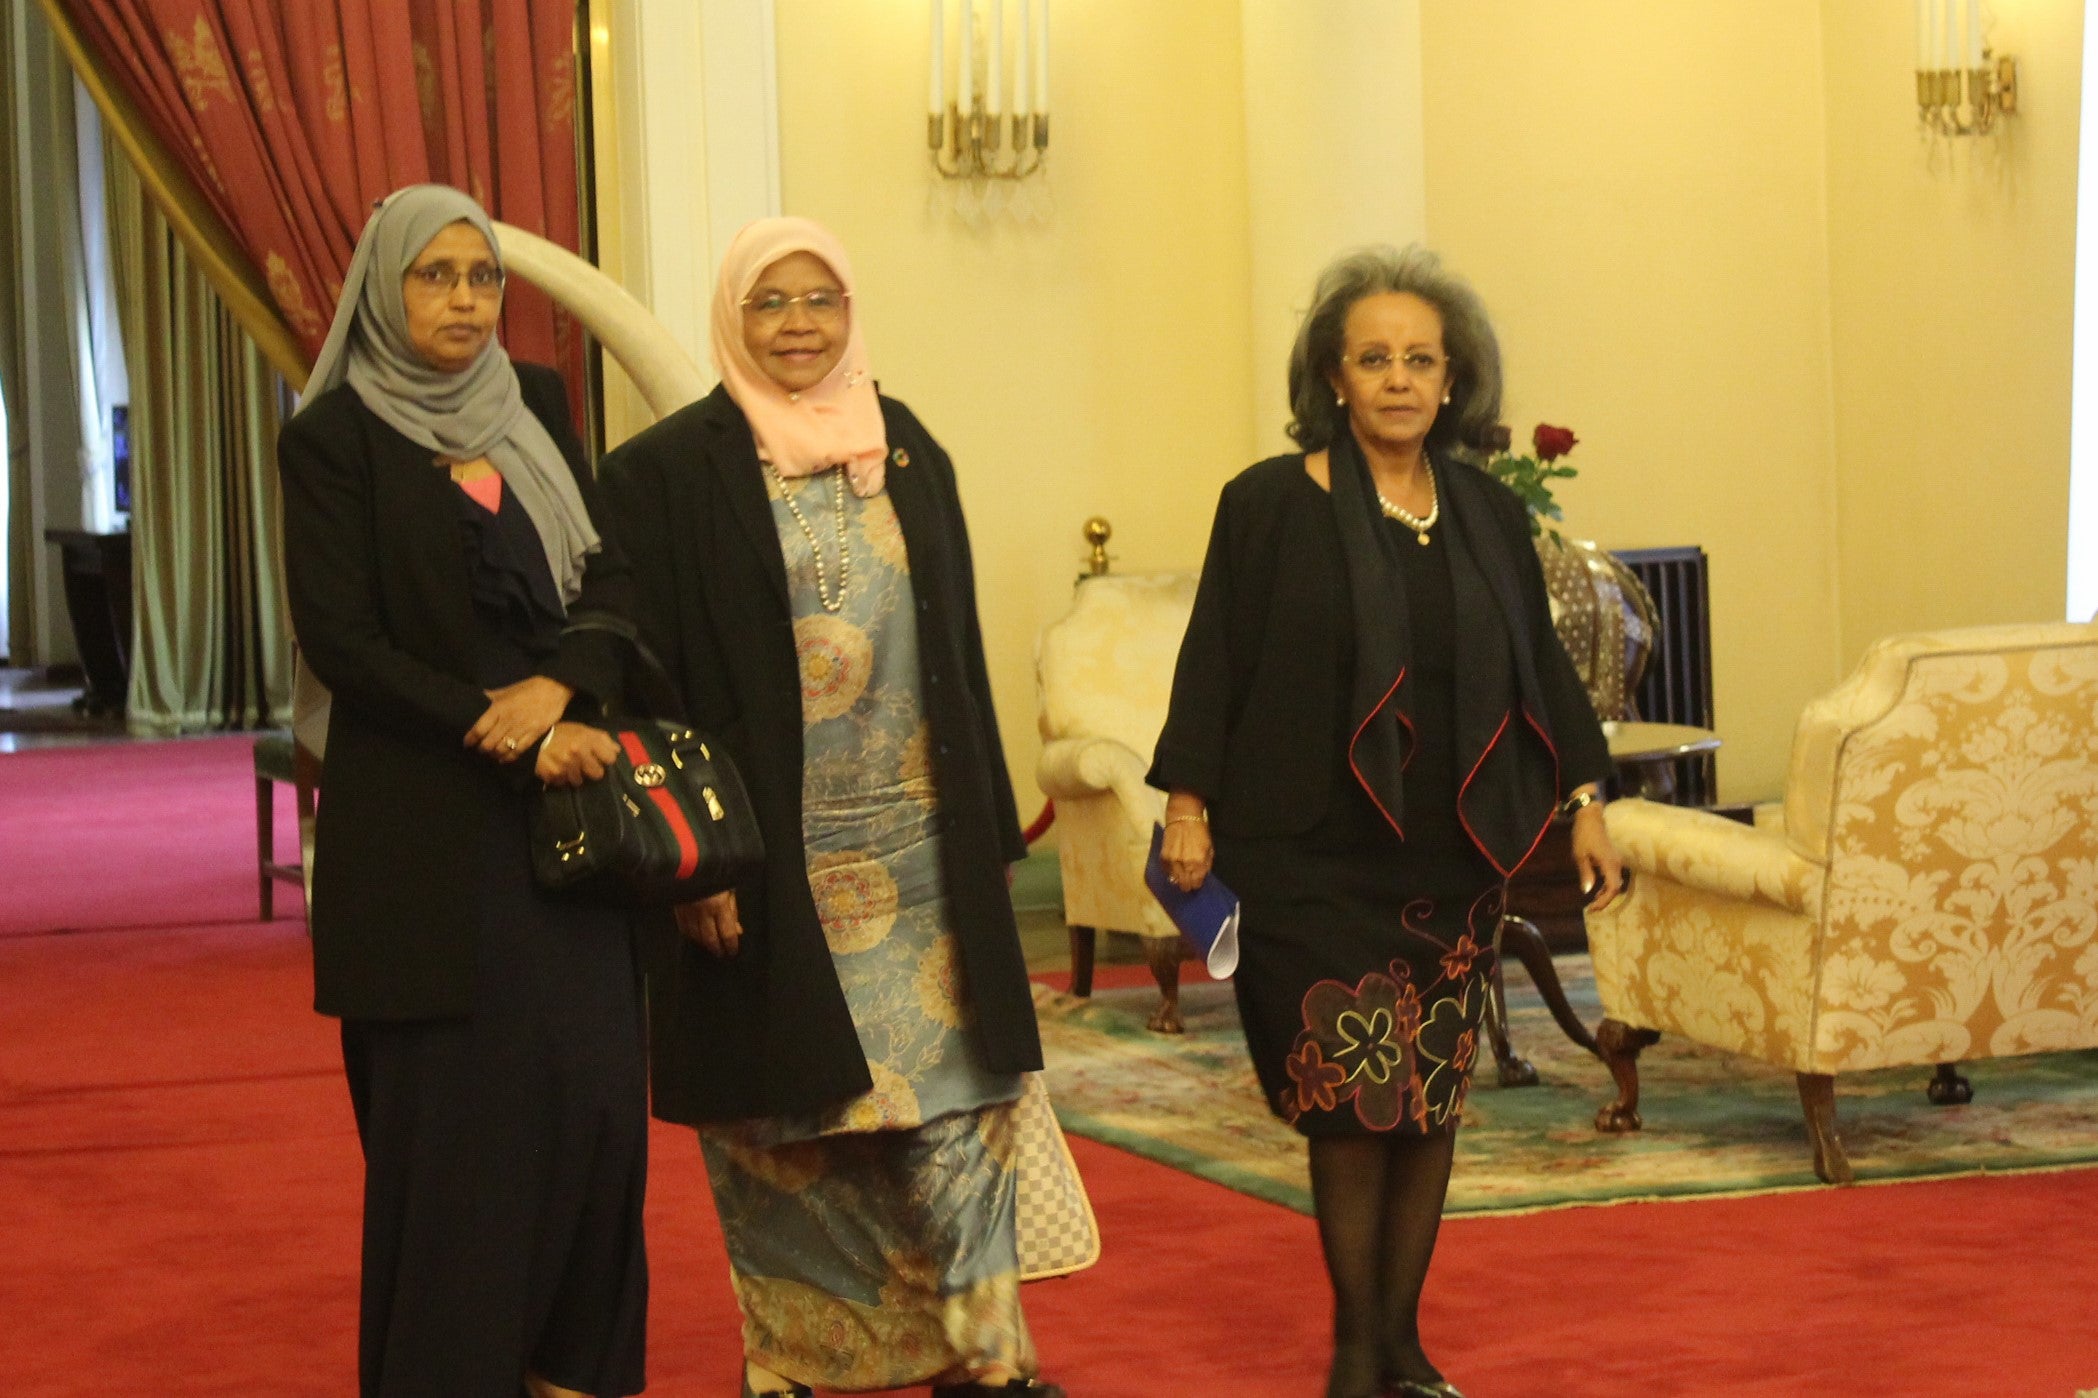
<point x="575" y="753"/>
<point x="1596" y="859"/>
<point x="518" y="716"/>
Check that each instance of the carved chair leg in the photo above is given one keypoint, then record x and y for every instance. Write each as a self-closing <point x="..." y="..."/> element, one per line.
<point x="1817" y="1094"/>
<point x="1164" y="955"/>
<point x="265" y="845"/>
<point x="1083" y="942"/>
<point x="1520" y="935"/>
<point x="1619" y="1046"/>
<point x="1514" y="1071"/>
<point x="1949" y="1088"/>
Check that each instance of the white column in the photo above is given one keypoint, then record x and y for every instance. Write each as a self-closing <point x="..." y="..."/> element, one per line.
<point x="2082" y="600"/>
<point x="1334" y="150"/>
<point x="688" y="152"/>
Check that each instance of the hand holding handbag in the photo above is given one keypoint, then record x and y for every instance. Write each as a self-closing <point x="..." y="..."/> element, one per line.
<point x="669" y="822"/>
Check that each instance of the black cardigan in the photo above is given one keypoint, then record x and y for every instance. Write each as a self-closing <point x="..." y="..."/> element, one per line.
<point x="378" y="587"/>
<point x="1256" y="724"/>
<point x="769" y="1032"/>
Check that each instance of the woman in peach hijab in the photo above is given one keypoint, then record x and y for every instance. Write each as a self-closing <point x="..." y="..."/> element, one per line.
<point x="847" y="1029"/>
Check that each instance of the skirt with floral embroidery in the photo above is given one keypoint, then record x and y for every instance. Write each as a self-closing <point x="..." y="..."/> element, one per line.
<point x="1363" y="975"/>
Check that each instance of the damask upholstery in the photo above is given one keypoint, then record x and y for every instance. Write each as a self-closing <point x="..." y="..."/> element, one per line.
<point x="1103" y="674"/>
<point x="1927" y="893"/>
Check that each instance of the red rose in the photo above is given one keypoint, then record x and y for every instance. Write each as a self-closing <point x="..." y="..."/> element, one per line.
<point x="1498" y="439"/>
<point x="1553" y="442"/>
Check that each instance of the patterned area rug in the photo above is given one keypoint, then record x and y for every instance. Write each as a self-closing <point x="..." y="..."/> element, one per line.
<point x="1715" y="1123"/>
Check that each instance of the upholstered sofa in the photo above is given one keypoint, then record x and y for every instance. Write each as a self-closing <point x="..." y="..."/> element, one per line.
<point x="1103" y="675"/>
<point x="1926" y="893"/>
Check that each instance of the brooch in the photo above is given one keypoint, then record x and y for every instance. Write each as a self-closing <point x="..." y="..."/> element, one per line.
<point x="900" y="457"/>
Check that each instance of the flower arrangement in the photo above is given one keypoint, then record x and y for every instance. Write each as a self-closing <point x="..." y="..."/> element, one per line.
<point x="1530" y="477"/>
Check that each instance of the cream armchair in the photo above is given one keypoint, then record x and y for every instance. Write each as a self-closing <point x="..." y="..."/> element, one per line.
<point x="1103" y="676"/>
<point x="1927" y="893"/>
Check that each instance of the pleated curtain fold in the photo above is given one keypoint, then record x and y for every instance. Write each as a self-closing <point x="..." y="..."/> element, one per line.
<point x="290" y="119"/>
<point x="20" y="546"/>
<point x="211" y="644"/>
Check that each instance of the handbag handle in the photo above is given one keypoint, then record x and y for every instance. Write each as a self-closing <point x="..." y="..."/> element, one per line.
<point x="657" y="691"/>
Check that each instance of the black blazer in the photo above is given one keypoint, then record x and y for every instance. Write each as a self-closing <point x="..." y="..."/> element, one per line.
<point x="770" y="1032"/>
<point x="1258" y="724"/>
<point x="378" y="585"/>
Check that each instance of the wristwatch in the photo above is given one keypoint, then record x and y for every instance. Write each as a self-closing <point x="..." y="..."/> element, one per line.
<point x="1578" y="801"/>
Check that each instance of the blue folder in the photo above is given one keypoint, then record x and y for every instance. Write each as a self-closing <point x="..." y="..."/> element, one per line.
<point x="1207" y="917"/>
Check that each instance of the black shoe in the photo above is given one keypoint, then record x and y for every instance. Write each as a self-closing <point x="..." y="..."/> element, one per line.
<point x="792" y="1390"/>
<point x="1020" y="1388"/>
<point x="1415" y="1388"/>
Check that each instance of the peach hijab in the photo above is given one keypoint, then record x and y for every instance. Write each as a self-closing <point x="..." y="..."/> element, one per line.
<point x="836" y="423"/>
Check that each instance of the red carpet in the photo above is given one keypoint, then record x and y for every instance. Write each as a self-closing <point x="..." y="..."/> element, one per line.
<point x="178" y="1193"/>
<point x="140" y="834"/>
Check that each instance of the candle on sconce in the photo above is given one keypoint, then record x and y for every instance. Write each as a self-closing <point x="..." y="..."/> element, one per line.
<point x="1974" y="33"/>
<point x="1041" y="64"/>
<point x="968" y="79"/>
<point x="936" y="98"/>
<point x="1022" y="102"/>
<point x="1922" y="33"/>
<point x="994" y="61"/>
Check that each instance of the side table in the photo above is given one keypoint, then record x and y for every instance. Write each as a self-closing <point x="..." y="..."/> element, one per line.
<point x="1644" y="754"/>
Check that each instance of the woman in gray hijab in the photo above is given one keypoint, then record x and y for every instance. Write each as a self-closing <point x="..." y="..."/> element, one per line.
<point x="440" y="528"/>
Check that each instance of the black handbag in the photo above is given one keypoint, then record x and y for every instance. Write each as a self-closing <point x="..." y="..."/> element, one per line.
<point x="670" y="820"/>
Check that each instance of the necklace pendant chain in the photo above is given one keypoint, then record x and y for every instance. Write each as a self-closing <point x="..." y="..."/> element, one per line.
<point x="1419" y="524"/>
<point x="832" y="602"/>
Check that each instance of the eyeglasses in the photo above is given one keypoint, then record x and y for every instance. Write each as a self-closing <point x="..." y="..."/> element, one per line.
<point x="824" y="307"/>
<point x="1418" y="364"/>
<point x="440" y="279"/>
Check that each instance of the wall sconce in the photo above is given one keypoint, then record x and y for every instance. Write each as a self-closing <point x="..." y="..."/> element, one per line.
<point x="1961" y="85"/>
<point x="974" y="140"/>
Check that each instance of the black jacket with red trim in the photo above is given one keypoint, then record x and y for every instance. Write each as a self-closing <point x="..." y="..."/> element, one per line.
<point x="1258" y="721"/>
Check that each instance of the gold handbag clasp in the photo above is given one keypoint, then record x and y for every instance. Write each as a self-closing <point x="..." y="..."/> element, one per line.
<point x="649" y="775"/>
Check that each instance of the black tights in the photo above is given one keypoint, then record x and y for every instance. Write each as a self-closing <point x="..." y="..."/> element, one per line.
<point x="1379" y="1202"/>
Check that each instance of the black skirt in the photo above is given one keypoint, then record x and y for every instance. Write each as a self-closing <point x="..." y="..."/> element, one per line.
<point x="505" y="1158"/>
<point x="1365" y="958"/>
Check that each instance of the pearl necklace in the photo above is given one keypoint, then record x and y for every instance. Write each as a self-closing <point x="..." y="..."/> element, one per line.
<point x="1419" y="524"/>
<point x="823" y="592"/>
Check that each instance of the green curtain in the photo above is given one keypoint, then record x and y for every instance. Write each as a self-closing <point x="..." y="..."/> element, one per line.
<point x="20" y="545"/>
<point x="211" y="646"/>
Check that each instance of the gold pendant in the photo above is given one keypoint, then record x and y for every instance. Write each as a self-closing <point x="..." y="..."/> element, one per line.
<point x="1422" y="538"/>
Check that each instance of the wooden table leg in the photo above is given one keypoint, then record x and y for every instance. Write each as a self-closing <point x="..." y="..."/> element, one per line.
<point x="1528" y="944"/>
<point x="1513" y="1070"/>
<point x="1084" y="940"/>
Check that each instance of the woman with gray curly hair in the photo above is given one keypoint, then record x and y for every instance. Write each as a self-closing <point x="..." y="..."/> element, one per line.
<point x="1372" y="723"/>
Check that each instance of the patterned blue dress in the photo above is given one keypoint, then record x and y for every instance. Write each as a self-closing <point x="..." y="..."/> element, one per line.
<point x="872" y="1243"/>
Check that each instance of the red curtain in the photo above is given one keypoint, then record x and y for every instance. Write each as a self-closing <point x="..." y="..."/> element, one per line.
<point x="294" y="117"/>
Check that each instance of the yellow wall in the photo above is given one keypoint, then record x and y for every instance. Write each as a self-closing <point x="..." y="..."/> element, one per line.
<point x="1638" y="192"/>
<point x="1096" y="364"/>
<point x="1786" y="327"/>
<point x="1953" y="276"/>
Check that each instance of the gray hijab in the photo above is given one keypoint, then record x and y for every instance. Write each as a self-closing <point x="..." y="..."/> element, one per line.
<point x="474" y="413"/>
